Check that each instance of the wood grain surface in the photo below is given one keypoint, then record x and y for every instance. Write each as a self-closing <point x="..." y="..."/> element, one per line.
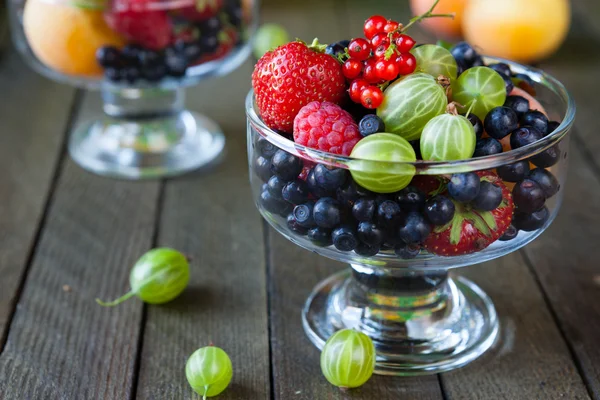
<point x="62" y="226"/>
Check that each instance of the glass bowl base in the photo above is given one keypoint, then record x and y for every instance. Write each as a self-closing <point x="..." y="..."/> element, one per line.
<point x="148" y="147"/>
<point x="418" y="327"/>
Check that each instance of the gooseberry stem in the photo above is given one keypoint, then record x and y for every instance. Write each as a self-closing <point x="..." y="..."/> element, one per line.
<point x="205" y="391"/>
<point x="118" y="301"/>
<point x="428" y="14"/>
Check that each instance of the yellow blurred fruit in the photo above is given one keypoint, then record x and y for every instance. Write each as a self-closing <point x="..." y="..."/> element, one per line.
<point x="444" y="27"/>
<point x="520" y="30"/>
<point x="65" y="37"/>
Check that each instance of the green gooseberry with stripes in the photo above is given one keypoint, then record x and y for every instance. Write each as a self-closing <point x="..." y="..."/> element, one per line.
<point x="158" y="277"/>
<point x="481" y="88"/>
<point x="382" y="163"/>
<point x="435" y="61"/>
<point x="348" y="359"/>
<point x="448" y="137"/>
<point x="410" y="102"/>
<point x="209" y="371"/>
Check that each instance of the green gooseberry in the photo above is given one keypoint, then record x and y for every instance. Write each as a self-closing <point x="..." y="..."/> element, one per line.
<point x="348" y="359"/>
<point x="157" y="277"/>
<point x="209" y="371"/>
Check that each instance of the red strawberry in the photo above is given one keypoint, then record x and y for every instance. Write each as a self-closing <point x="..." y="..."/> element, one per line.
<point x="471" y="230"/>
<point x="291" y="76"/>
<point x="149" y="28"/>
<point x="203" y="9"/>
<point x="429" y="184"/>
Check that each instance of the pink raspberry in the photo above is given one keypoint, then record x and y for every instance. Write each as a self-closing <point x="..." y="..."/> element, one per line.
<point x="325" y="126"/>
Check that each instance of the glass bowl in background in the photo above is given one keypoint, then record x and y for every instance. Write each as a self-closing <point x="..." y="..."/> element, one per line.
<point x="421" y="320"/>
<point x="141" y="54"/>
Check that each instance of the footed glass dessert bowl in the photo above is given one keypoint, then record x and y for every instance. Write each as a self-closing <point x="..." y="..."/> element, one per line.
<point x="402" y="244"/>
<point x="141" y="54"/>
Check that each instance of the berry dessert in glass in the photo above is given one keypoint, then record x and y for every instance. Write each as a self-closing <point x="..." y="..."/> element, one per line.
<point x="141" y="54"/>
<point x="405" y="160"/>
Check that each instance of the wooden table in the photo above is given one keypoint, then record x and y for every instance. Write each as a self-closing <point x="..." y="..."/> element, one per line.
<point x="68" y="236"/>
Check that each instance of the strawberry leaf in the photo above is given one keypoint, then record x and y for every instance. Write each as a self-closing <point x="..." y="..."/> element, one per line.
<point x="489" y="219"/>
<point x="455" y="232"/>
<point x="442" y="228"/>
<point x="480" y="224"/>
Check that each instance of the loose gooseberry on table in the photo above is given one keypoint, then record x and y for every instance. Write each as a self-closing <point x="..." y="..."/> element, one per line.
<point x="209" y="371"/>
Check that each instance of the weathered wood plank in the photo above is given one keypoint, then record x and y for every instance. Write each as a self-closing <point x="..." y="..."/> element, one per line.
<point x="61" y="344"/>
<point x="212" y="218"/>
<point x="29" y="152"/>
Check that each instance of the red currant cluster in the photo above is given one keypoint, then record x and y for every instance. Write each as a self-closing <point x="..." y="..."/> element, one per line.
<point x="381" y="57"/>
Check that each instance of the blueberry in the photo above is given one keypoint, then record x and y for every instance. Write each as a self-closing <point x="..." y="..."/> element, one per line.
<point x="108" y="56"/>
<point x="154" y="73"/>
<point x="464" y="187"/>
<point x="327" y="212"/>
<point x="320" y="236"/>
<point x="528" y="196"/>
<point x="546" y="180"/>
<point x="113" y="74"/>
<point x="478" y="62"/>
<point x="176" y="65"/>
<point x="330" y="178"/>
<point x="370" y="234"/>
<point x="518" y="104"/>
<point x="500" y="121"/>
<point x="303" y="214"/>
<point x="193" y="51"/>
<point x="415" y="228"/>
<point x="295" y="192"/>
<point x="508" y="84"/>
<point x="273" y="204"/>
<point x="336" y="48"/>
<point x="131" y="74"/>
<point x="524" y="136"/>
<point x="477" y="125"/>
<point x="208" y="44"/>
<point x="210" y="26"/>
<point x="547" y="158"/>
<point x="130" y="54"/>
<point x="370" y="124"/>
<point x="351" y="192"/>
<point x="464" y="54"/>
<point x="389" y="214"/>
<point x="531" y="222"/>
<point x="410" y="198"/>
<point x="344" y="238"/>
<point x="525" y="83"/>
<point x="366" y="250"/>
<point x="552" y="126"/>
<point x="381" y="197"/>
<point x="262" y="168"/>
<point x="514" y="172"/>
<point x="407" y="251"/>
<point x="275" y="185"/>
<point x="295" y="226"/>
<point x="149" y="58"/>
<point x="488" y="198"/>
<point x="314" y="188"/>
<point x="502" y="69"/>
<point x="439" y="210"/>
<point x="235" y="13"/>
<point x="510" y="233"/>
<point x="391" y="238"/>
<point x="536" y="119"/>
<point x="487" y="147"/>
<point x="285" y="165"/>
<point x="364" y="209"/>
<point x="265" y="148"/>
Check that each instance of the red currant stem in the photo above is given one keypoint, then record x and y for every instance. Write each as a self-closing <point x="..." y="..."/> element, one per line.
<point x="384" y="85"/>
<point x="470" y="108"/>
<point x="419" y="18"/>
<point x="118" y="301"/>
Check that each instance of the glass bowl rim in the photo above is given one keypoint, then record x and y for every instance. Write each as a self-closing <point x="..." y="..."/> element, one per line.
<point x="434" y="167"/>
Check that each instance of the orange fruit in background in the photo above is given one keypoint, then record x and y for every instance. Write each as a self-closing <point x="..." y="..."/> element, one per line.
<point x="65" y="37"/>
<point x="444" y="27"/>
<point x="519" y="30"/>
